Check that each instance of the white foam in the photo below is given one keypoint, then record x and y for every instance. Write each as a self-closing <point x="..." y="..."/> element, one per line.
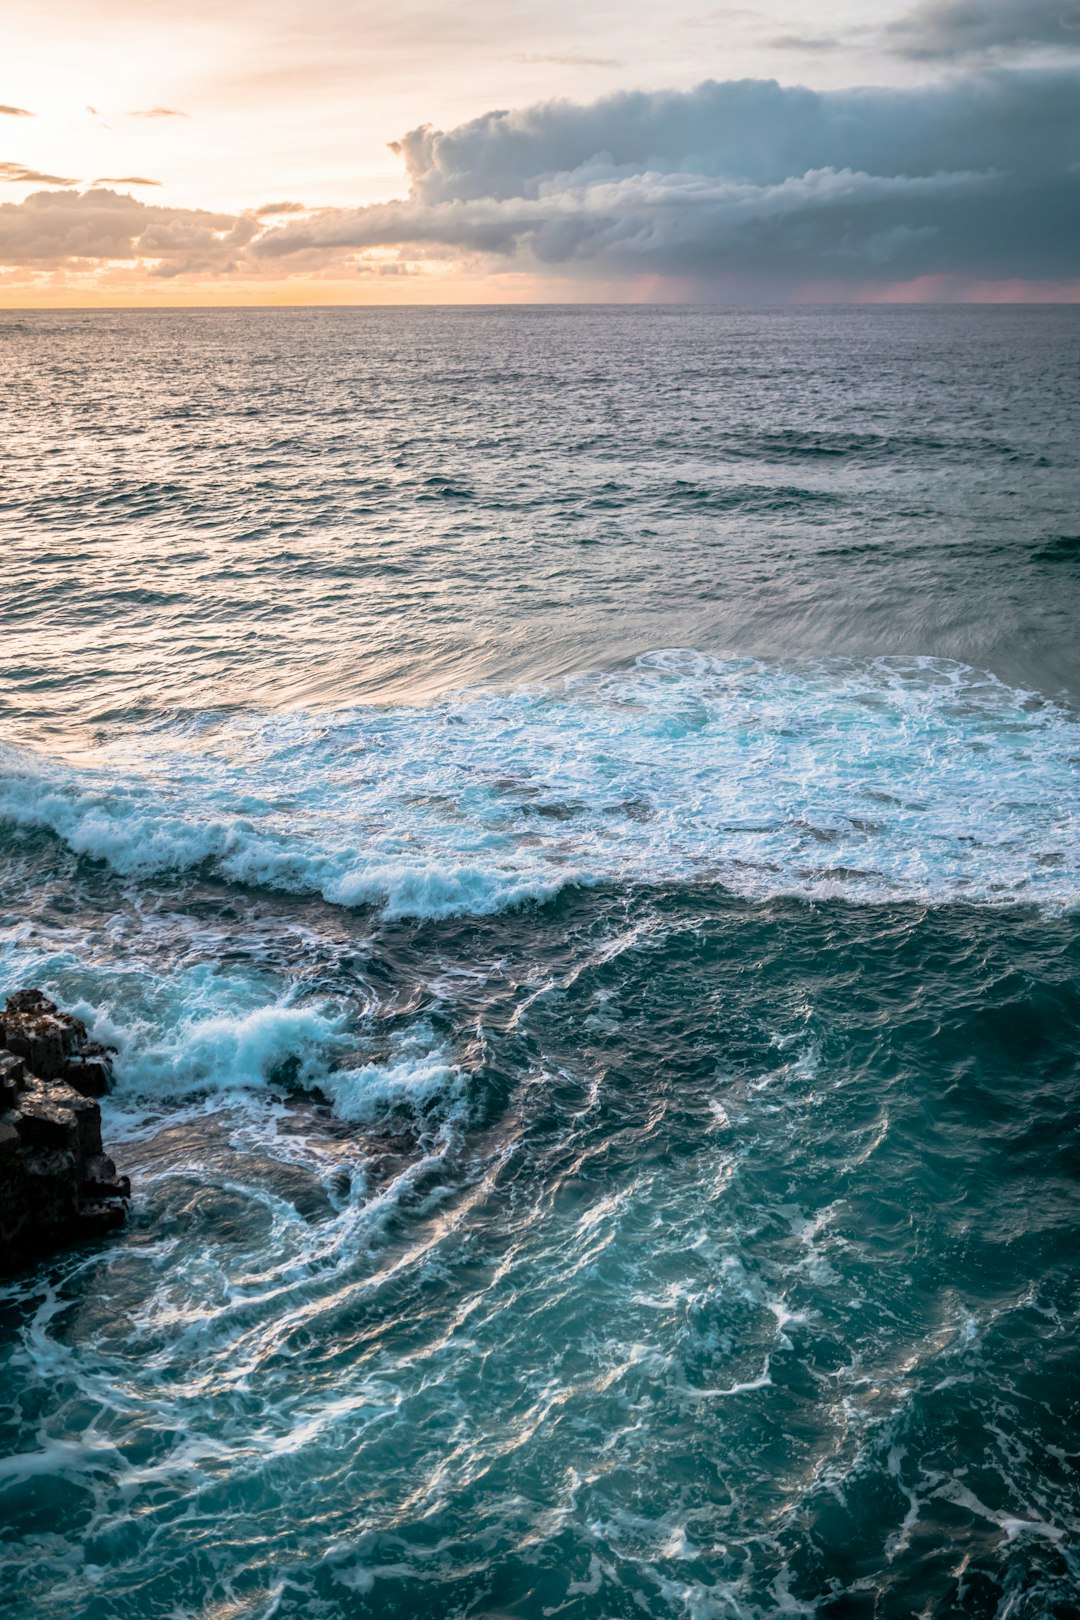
<point x="228" y="1050"/>
<point x="415" y="1075"/>
<point x="195" y="1030"/>
<point x="905" y="779"/>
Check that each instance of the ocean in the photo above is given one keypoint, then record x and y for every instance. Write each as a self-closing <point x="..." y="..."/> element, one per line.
<point x="570" y="818"/>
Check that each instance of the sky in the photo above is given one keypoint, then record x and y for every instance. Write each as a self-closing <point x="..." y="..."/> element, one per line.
<point x="265" y="152"/>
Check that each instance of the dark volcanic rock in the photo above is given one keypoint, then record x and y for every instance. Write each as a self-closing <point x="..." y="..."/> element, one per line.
<point x="56" y="1183"/>
<point x="29" y="1001"/>
<point x="36" y="1030"/>
<point x="12" y="1070"/>
<point x="90" y="1075"/>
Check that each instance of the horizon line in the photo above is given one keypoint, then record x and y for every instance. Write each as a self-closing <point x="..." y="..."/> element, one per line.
<point x="508" y="304"/>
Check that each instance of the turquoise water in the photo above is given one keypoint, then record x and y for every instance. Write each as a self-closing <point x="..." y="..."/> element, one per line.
<point x="571" y="821"/>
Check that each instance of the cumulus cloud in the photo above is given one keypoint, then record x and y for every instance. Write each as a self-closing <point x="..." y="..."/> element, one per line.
<point x="975" y="177"/>
<point x="64" y="228"/>
<point x="746" y="177"/>
<point x="679" y="222"/>
<point x="962" y="29"/>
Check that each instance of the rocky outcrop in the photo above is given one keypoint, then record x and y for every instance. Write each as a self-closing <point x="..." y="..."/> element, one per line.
<point x="57" y="1185"/>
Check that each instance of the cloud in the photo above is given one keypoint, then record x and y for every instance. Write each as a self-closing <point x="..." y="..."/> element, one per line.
<point x="565" y="60"/>
<point x="805" y="42"/>
<point x="738" y="185"/>
<point x="64" y="228"/>
<point x="15" y="112"/>
<point x="16" y="174"/>
<point x="749" y="130"/>
<point x="683" y="223"/>
<point x="125" y="180"/>
<point x="158" y="112"/>
<point x="954" y="30"/>
<point x="745" y="178"/>
<point x="269" y="210"/>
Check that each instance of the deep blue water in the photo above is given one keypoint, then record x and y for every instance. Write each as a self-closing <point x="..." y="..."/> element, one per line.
<point x="571" y="819"/>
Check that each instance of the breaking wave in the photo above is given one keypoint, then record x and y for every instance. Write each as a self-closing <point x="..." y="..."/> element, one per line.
<point x="888" y="779"/>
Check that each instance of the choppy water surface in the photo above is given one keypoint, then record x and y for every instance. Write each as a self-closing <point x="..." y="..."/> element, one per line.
<point x="571" y="820"/>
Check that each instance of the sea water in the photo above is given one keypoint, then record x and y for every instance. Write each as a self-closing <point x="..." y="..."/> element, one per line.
<point x="570" y="819"/>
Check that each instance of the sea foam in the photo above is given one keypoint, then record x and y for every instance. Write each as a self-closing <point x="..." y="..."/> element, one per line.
<point x="888" y="779"/>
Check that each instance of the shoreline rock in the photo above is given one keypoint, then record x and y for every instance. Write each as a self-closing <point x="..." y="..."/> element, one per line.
<point x="58" y="1186"/>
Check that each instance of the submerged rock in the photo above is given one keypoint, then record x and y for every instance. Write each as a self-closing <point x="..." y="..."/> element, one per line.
<point x="57" y="1184"/>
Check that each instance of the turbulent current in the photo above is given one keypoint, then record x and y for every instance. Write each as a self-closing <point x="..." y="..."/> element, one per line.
<point x="571" y="821"/>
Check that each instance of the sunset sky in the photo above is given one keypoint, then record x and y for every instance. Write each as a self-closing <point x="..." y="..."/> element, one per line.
<point x="165" y="153"/>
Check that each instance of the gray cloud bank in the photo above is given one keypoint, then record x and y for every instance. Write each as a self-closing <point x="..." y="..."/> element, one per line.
<point x="976" y="177"/>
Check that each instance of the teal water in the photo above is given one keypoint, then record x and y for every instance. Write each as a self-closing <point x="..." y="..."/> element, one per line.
<point x="571" y="821"/>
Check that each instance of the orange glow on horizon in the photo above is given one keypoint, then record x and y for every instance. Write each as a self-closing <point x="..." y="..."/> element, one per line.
<point x="512" y="288"/>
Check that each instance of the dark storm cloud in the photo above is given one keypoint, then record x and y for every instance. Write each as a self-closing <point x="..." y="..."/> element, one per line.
<point x="963" y="29"/>
<point x="976" y="176"/>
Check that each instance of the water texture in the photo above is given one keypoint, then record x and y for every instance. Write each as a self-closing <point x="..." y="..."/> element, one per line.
<point x="570" y="819"/>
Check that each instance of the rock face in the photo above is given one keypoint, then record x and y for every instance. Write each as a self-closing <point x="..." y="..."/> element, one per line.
<point x="57" y="1185"/>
